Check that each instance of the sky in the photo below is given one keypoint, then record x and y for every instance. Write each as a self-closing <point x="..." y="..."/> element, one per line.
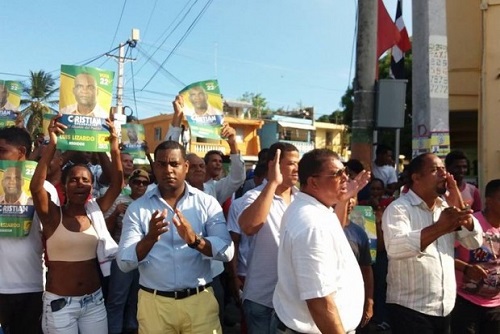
<point x="293" y="52"/>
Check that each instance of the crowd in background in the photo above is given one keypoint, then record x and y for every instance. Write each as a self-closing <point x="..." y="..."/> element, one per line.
<point x="162" y="249"/>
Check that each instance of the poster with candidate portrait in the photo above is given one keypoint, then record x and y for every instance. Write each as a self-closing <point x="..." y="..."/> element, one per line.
<point x="83" y="133"/>
<point x="133" y="136"/>
<point x="85" y="91"/>
<point x="10" y="100"/>
<point x="84" y="100"/>
<point x="203" y="109"/>
<point x="16" y="204"/>
<point x="365" y="217"/>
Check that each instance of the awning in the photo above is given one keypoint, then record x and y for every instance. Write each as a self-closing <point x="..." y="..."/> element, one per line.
<point x="296" y="125"/>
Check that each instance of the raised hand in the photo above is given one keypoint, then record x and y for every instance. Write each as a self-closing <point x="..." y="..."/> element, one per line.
<point x="453" y="196"/>
<point x="55" y="129"/>
<point x="274" y="173"/>
<point x="178" y="105"/>
<point x="354" y="186"/>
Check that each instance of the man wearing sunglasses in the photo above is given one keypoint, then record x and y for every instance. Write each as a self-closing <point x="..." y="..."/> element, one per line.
<point x="320" y="287"/>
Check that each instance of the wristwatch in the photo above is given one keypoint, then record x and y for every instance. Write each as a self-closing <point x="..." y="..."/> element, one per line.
<point x="196" y="243"/>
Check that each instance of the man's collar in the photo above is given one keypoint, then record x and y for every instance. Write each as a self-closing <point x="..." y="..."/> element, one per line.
<point x="416" y="200"/>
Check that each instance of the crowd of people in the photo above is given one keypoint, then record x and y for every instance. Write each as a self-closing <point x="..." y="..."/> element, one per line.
<point x="118" y="249"/>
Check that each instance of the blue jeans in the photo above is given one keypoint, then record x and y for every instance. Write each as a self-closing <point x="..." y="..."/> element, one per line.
<point x="258" y="317"/>
<point x="82" y="314"/>
<point x="121" y="304"/>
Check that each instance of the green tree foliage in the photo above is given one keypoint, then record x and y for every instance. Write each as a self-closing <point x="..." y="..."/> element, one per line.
<point x="260" y="106"/>
<point x="39" y="99"/>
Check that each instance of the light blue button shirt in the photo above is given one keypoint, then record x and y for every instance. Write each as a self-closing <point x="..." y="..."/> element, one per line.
<point x="171" y="265"/>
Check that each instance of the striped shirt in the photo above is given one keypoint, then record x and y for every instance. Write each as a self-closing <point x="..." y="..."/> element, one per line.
<point x="423" y="281"/>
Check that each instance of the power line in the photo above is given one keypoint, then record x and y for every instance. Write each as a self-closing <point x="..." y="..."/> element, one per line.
<point x="119" y="21"/>
<point x="149" y="19"/>
<point x="160" y="67"/>
<point x="171" y="32"/>
<point x="190" y="28"/>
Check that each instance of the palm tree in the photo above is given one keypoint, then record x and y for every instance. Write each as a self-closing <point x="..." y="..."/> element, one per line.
<point x="40" y="92"/>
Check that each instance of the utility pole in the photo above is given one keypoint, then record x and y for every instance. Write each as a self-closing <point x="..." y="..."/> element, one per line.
<point x="364" y="82"/>
<point x="118" y="114"/>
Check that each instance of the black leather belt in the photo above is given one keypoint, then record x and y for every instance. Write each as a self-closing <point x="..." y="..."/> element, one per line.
<point x="179" y="294"/>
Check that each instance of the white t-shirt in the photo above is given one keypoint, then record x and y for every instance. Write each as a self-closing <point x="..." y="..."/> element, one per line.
<point x="263" y="255"/>
<point x="386" y="173"/>
<point x="21" y="258"/>
<point x="314" y="261"/>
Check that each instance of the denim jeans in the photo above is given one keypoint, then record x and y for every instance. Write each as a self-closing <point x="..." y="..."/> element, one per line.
<point x="121" y="304"/>
<point x="21" y="312"/>
<point x="84" y="314"/>
<point x="258" y="317"/>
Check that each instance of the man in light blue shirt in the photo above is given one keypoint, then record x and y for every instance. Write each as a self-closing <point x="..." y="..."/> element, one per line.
<point x="171" y="234"/>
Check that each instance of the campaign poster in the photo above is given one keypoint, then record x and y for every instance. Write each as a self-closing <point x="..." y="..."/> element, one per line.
<point x="85" y="91"/>
<point x="365" y="217"/>
<point x="133" y="137"/>
<point x="10" y="100"/>
<point x="83" y="133"/>
<point x="203" y="109"/>
<point x="16" y="204"/>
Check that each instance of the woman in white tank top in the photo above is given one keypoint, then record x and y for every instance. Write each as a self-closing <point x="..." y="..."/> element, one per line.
<point x="73" y="301"/>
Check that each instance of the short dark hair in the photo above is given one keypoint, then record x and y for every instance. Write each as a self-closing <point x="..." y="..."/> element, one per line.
<point x="170" y="145"/>
<point x="492" y="188"/>
<point x="212" y="152"/>
<point x="377" y="180"/>
<point x="284" y="147"/>
<point x="355" y="165"/>
<point x="416" y="166"/>
<point x="312" y="163"/>
<point x="454" y="156"/>
<point x="263" y="155"/>
<point x="68" y="168"/>
<point x="260" y="170"/>
<point x="382" y="149"/>
<point x="17" y="136"/>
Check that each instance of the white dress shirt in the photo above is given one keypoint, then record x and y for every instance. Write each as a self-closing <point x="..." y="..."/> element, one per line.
<point x="423" y="281"/>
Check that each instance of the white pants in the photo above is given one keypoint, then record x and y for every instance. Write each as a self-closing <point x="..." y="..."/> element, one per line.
<point x="72" y="315"/>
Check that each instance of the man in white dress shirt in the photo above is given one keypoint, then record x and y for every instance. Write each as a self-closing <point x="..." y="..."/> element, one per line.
<point x="420" y="231"/>
<point x="320" y="287"/>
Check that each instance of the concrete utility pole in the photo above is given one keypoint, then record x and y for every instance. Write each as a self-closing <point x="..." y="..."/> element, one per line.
<point x="132" y="42"/>
<point x="364" y="83"/>
<point x="430" y="128"/>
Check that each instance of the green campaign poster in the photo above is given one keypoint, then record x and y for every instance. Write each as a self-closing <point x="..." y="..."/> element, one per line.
<point x="365" y="217"/>
<point x="85" y="91"/>
<point x="16" y="204"/>
<point x="10" y="95"/>
<point x="83" y="133"/>
<point x="133" y="137"/>
<point x="7" y="118"/>
<point x="203" y="109"/>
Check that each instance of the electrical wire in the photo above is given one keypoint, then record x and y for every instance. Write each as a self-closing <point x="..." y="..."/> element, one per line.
<point x="133" y="90"/>
<point x="353" y="48"/>
<point x="164" y="70"/>
<point x="171" y="32"/>
<point x="149" y="19"/>
<point x="119" y="21"/>
<point x="186" y="34"/>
